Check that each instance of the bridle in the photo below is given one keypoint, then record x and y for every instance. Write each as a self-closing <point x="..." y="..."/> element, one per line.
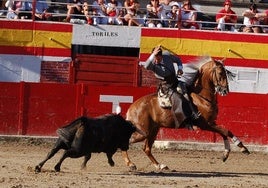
<point x="222" y="90"/>
<point x="218" y="88"/>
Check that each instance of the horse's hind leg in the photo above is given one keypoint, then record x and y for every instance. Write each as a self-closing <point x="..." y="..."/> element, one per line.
<point x="59" y="145"/>
<point x="128" y="162"/>
<point x="148" y="150"/>
<point x="136" y="137"/>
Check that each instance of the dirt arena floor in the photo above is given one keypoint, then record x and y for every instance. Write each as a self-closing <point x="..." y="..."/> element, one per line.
<point x="187" y="169"/>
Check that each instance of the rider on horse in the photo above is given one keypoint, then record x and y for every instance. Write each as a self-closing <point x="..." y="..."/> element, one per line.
<point x="161" y="63"/>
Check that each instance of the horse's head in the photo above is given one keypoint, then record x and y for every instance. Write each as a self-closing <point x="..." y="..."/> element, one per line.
<point x="219" y="78"/>
<point x="216" y="73"/>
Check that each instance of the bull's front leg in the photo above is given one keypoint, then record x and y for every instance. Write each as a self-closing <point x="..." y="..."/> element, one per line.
<point x="110" y="160"/>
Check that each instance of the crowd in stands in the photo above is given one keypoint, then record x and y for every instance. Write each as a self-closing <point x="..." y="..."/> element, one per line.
<point x="157" y="13"/>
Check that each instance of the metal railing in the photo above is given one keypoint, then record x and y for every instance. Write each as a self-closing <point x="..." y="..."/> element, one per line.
<point x="58" y="12"/>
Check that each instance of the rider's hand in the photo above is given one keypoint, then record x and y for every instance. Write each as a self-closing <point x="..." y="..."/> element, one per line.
<point x="180" y="72"/>
<point x="156" y="50"/>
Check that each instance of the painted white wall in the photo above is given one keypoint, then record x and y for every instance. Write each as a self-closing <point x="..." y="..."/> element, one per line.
<point x="249" y="80"/>
<point x="16" y="68"/>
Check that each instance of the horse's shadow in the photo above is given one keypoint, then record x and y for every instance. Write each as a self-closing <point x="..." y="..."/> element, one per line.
<point x="196" y="174"/>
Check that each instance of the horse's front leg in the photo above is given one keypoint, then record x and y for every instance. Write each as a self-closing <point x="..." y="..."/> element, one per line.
<point x="227" y="148"/>
<point x="238" y="143"/>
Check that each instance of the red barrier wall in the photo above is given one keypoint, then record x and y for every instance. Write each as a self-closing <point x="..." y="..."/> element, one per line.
<point x="40" y="108"/>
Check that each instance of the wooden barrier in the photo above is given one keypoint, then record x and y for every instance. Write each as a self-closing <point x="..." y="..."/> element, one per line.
<point x="40" y="108"/>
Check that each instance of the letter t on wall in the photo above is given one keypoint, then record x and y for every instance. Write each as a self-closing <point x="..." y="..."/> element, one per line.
<point x="116" y="100"/>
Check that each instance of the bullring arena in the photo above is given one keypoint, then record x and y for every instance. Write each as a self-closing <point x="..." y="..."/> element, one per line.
<point x="48" y="72"/>
<point x="188" y="168"/>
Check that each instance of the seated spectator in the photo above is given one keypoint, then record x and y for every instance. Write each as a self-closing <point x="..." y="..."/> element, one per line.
<point x="153" y="17"/>
<point x="41" y="11"/>
<point x="74" y="9"/>
<point x="99" y="12"/>
<point x="166" y="8"/>
<point x="188" y="16"/>
<point x="226" y="17"/>
<point x="250" y="21"/>
<point x="85" y="11"/>
<point x="114" y="9"/>
<point x="131" y="7"/>
<point x="19" y="9"/>
<point x="173" y="15"/>
<point x="264" y="17"/>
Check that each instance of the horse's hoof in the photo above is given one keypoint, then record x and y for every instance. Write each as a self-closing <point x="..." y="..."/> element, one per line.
<point x="161" y="167"/>
<point x="225" y="156"/>
<point x="164" y="168"/>
<point x="245" y="151"/>
<point x="38" y="169"/>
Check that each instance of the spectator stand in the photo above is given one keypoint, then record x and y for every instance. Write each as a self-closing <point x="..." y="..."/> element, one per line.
<point x="206" y="10"/>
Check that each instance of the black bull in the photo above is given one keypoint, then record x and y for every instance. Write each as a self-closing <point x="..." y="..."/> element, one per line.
<point x="86" y="135"/>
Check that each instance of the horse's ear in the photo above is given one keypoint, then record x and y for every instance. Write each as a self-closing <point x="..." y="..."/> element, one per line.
<point x="223" y="60"/>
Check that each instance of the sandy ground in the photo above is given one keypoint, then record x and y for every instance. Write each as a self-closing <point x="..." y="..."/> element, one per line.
<point x="187" y="169"/>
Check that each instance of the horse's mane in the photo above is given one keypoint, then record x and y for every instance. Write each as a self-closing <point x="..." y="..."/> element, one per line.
<point x="199" y="61"/>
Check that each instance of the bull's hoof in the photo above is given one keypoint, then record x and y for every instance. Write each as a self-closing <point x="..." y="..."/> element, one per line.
<point x="57" y="168"/>
<point x="132" y="168"/>
<point x="37" y="169"/>
<point x="111" y="163"/>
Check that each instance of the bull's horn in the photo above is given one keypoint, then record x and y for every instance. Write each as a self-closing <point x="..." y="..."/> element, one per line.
<point x="118" y="109"/>
<point x="141" y="132"/>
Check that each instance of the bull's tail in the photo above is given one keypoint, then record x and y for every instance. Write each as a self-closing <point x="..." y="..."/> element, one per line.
<point x="68" y="132"/>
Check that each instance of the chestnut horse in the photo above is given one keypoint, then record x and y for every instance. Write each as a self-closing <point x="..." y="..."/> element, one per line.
<point x="146" y="114"/>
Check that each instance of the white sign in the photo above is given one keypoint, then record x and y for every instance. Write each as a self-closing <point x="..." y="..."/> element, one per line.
<point x="107" y="35"/>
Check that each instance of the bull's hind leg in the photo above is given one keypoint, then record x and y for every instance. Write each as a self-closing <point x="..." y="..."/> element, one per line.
<point x="58" y="165"/>
<point x="69" y="153"/>
<point x="86" y="159"/>
<point x="59" y="145"/>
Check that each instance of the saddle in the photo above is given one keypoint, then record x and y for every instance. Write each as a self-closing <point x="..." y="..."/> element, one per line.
<point x="164" y="99"/>
<point x="164" y="93"/>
